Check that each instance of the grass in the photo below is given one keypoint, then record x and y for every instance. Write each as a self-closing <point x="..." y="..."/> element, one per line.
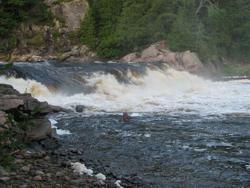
<point x="236" y="70"/>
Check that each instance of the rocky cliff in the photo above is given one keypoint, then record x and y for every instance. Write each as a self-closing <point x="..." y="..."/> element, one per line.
<point x="56" y="40"/>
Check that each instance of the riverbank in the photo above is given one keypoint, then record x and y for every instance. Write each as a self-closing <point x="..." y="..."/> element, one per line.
<point x="41" y="168"/>
<point x="156" y="52"/>
<point x="28" y="144"/>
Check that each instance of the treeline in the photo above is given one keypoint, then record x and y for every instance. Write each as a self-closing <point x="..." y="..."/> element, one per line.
<point x="212" y="28"/>
<point x="15" y="12"/>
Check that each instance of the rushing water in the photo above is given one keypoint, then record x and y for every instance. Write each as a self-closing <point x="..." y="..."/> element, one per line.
<point x="185" y="131"/>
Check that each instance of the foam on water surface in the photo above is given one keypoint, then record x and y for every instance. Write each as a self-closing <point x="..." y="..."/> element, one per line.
<point x="164" y="90"/>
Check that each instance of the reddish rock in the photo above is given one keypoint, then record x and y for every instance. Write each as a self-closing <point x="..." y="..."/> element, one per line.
<point x="159" y="52"/>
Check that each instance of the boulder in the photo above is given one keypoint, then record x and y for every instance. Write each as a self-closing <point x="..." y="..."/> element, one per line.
<point x="191" y="61"/>
<point x="159" y="52"/>
<point x="130" y="57"/>
<point x="35" y="107"/>
<point x="39" y="129"/>
<point x="7" y="90"/>
<point x="151" y="51"/>
<point x="10" y="102"/>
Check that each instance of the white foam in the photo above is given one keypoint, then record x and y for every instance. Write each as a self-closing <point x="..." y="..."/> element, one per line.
<point x="53" y="122"/>
<point x="100" y="177"/>
<point x="62" y="132"/>
<point x="159" y="90"/>
<point x="80" y="168"/>
<point x="118" y="184"/>
<point x="147" y="135"/>
<point x="247" y="167"/>
<point x="220" y="144"/>
<point x="58" y="131"/>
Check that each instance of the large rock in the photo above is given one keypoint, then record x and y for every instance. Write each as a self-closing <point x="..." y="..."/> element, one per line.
<point x="34" y="107"/>
<point x="7" y="90"/>
<point x="10" y="102"/>
<point x="191" y="61"/>
<point x="159" y="52"/>
<point x="38" y="129"/>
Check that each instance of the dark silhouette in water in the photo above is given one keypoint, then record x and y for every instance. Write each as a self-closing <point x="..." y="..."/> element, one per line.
<point x="125" y="117"/>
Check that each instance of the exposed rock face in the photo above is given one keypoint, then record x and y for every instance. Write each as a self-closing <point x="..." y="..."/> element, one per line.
<point x="78" y="51"/>
<point x="56" y="40"/>
<point x="159" y="52"/>
<point x="72" y="12"/>
<point x="24" y="110"/>
<point x="10" y="102"/>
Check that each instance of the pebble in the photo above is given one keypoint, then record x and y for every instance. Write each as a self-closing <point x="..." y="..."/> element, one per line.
<point x="19" y="161"/>
<point x="13" y="173"/>
<point x="3" y="172"/>
<point x="23" y="186"/>
<point x="59" y="174"/>
<point x="48" y="175"/>
<point x="47" y="158"/>
<point x="38" y="178"/>
<point x="19" y="156"/>
<point x="65" y="164"/>
<point x="4" y="179"/>
<point x="39" y="172"/>
<point x="25" y="168"/>
<point x="67" y="178"/>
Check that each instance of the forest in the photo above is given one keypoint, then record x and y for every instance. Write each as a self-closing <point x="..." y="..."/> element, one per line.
<point x="113" y="28"/>
<point x="211" y="28"/>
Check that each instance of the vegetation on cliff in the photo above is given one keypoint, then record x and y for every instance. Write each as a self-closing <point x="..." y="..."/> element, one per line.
<point x="15" y="12"/>
<point x="210" y="27"/>
<point x="113" y="28"/>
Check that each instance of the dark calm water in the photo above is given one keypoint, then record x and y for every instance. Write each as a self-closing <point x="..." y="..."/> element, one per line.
<point x="184" y="131"/>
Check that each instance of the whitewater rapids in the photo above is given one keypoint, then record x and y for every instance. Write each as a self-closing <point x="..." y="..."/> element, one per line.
<point x="158" y="90"/>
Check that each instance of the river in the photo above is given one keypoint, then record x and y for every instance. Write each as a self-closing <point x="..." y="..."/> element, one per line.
<point x="184" y="131"/>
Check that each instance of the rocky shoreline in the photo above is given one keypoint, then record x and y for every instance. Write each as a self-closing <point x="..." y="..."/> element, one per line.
<point x="28" y="144"/>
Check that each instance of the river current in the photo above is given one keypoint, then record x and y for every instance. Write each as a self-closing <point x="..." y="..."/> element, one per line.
<point x="185" y="131"/>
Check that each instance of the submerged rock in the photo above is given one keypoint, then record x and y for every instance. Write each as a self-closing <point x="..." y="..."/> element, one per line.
<point x="125" y="117"/>
<point x="80" y="108"/>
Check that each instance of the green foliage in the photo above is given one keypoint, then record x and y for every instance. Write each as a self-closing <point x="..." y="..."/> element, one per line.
<point x="10" y="141"/>
<point x="37" y="40"/>
<point x="219" y="28"/>
<point x="14" y="12"/>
